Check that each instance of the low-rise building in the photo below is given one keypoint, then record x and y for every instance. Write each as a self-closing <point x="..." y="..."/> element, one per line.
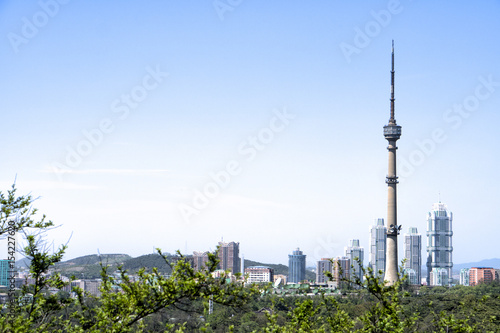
<point x="257" y="274"/>
<point x="479" y="275"/>
<point x="93" y="287"/>
<point x="280" y="278"/>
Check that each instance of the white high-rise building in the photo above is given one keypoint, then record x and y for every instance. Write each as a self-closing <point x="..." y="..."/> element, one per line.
<point x="464" y="276"/>
<point x="439" y="277"/>
<point x="378" y="246"/>
<point x="413" y="255"/>
<point x="352" y="252"/>
<point x="439" y="243"/>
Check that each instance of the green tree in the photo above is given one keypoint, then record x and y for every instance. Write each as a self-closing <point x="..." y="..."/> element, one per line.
<point x="32" y="308"/>
<point x="19" y="212"/>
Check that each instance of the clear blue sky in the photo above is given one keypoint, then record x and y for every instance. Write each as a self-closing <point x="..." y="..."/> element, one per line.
<point x="135" y="105"/>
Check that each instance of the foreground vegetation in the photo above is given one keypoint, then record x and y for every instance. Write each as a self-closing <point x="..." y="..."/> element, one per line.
<point x="376" y="309"/>
<point x="180" y="302"/>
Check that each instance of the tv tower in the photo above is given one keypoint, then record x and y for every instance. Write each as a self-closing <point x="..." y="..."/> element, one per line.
<point x="392" y="133"/>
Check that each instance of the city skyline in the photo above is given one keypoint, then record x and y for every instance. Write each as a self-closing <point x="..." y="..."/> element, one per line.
<point x="173" y="125"/>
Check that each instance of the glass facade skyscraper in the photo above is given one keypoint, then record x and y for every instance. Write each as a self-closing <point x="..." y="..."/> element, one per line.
<point x="352" y="252"/>
<point x="413" y="255"/>
<point x="439" y="244"/>
<point x="5" y="269"/>
<point x="296" y="266"/>
<point x="378" y="247"/>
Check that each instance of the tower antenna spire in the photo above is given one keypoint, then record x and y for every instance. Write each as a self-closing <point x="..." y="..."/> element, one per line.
<point x="392" y="120"/>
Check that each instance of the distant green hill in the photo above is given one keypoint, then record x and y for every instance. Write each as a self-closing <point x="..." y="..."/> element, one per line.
<point x="148" y="261"/>
<point x="95" y="259"/>
<point x="24" y="262"/>
<point x="88" y="267"/>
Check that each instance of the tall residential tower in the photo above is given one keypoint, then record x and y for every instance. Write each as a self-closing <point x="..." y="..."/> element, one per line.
<point x="439" y="245"/>
<point x="378" y="241"/>
<point x="413" y="256"/>
<point x="229" y="257"/>
<point x="322" y="266"/>
<point x="356" y="253"/>
<point x="392" y="133"/>
<point x="296" y="266"/>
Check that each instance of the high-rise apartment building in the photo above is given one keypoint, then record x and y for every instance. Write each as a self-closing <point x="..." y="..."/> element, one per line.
<point x="356" y="253"/>
<point x="296" y="266"/>
<point x="439" y="242"/>
<point x="341" y="271"/>
<point x="200" y="260"/>
<point x="229" y="257"/>
<point x="5" y="268"/>
<point x="479" y="275"/>
<point x="464" y="277"/>
<point x="322" y="266"/>
<point x="378" y="247"/>
<point x="413" y="256"/>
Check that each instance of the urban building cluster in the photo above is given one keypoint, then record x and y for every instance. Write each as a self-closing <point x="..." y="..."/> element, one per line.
<point x="230" y="262"/>
<point x="23" y="278"/>
<point x="228" y="255"/>
<point x="334" y="272"/>
<point x="476" y="275"/>
<point x="439" y="252"/>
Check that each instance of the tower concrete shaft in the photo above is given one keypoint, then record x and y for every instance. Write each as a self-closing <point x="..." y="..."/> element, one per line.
<point x="392" y="133"/>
